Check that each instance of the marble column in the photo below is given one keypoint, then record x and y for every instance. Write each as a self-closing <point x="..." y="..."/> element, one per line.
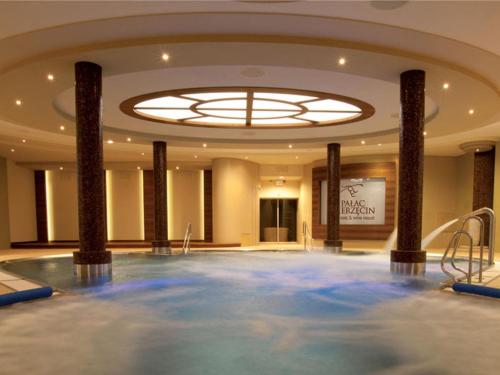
<point x="161" y="244"/>
<point x="332" y="242"/>
<point x="92" y="261"/>
<point x="409" y="257"/>
<point x="483" y="185"/>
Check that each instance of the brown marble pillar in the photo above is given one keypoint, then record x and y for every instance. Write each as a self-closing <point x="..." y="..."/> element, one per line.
<point x="483" y="185"/>
<point x="92" y="260"/>
<point x="161" y="244"/>
<point x="332" y="242"/>
<point x="42" y="231"/>
<point x="409" y="257"/>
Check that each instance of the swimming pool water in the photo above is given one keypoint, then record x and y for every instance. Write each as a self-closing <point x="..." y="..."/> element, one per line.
<point x="253" y="313"/>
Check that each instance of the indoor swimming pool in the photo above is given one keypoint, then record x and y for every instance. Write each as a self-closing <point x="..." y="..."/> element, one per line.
<point x="252" y="313"/>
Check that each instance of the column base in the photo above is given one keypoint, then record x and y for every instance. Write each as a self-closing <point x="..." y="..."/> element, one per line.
<point x="161" y="247"/>
<point x="408" y="262"/>
<point x="333" y="246"/>
<point x="92" y="267"/>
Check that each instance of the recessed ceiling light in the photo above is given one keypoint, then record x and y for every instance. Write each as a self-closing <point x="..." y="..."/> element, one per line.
<point x="281" y="177"/>
<point x="363" y="142"/>
<point x="446" y="86"/>
<point x="61" y="168"/>
<point x="380" y="144"/>
<point x="246" y="157"/>
<point x="50" y="77"/>
<point x="138" y="168"/>
<point x="204" y="145"/>
<point x="165" y="57"/>
<point x="110" y="141"/>
<point x="177" y="167"/>
<point x="477" y="150"/>
<point x="129" y="139"/>
<point x="471" y="111"/>
<point x="12" y="150"/>
<point x="19" y="102"/>
<point x="342" y="61"/>
<point x="23" y="140"/>
<point x="290" y="146"/>
<point x="196" y="156"/>
<point x="425" y="133"/>
<point x="297" y="156"/>
<point x="142" y="153"/>
<point x="62" y="127"/>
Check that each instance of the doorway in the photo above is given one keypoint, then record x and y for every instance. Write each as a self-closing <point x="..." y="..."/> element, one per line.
<point x="278" y="220"/>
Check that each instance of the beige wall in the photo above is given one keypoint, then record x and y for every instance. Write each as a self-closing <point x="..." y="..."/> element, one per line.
<point x="496" y="199"/>
<point x="305" y="201"/>
<point x="22" y="205"/>
<point x="125" y="207"/>
<point x="235" y="201"/>
<point x="4" y="206"/>
<point x="62" y="205"/>
<point x="187" y="203"/>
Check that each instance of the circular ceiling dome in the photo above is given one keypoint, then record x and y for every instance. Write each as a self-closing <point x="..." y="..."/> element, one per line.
<point x="245" y="107"/>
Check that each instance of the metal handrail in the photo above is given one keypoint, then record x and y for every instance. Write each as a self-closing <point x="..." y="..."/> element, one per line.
<point x="455" y="244"/>
<point x="186" y="245"/>
<point x="307" y="237"/>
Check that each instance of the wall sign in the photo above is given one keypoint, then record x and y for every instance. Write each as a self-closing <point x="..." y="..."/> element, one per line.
<point x="362" y="201"/>
<point x="359" y="221"/>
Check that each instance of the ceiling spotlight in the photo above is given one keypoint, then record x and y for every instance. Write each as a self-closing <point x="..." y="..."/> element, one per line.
<point x="477" y="150"/>
<point x="196" y="156"/>
<point x="425" y="133"/>
<point x="380" y="144"/>
<point x="471" y="111"/>
<point x="61" y="168"/>
<point x="165" y="57"/>
<point x="129" y="139"/>
<point x="138" y="168"/>
<point x="62" y="128"/>
<point x="23" y="140"/>
<point x="177" y="167"/>
<point x="19" y="102"/>
<point x="142" y="153"/>
<point x="110" y="141"/>
<point x="50" y="77"/>
<point x="446" y="86"/>
<point x="204" y="145"/>
<point x="246" y="157"/>
<point x="363" y="142"/>
<point x="12" y="150"/>
<point x="290" y="146"/>
<point x="342" y="61"/>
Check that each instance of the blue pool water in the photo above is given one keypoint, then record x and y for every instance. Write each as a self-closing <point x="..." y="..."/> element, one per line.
<point x="253" y="313"/>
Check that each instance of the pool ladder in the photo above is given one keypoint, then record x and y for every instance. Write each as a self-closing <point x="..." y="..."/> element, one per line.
<point x="454" y="244"/>
<point x="186" y="245"/>
<point x="308" y="240"/>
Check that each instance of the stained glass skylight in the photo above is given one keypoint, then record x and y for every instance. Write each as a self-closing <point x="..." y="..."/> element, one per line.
<point x="247" y="107"/>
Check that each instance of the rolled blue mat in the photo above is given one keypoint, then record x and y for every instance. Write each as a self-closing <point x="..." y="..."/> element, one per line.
<point x="25" y="295"/>
<point x="476" y="289"/>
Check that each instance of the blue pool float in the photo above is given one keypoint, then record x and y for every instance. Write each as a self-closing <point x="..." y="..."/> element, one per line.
<point x="476" y="289"/>
<point x="25" y="295"/>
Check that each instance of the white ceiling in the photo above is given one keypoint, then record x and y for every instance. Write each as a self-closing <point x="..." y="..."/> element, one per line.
<point x="295" y="45"/>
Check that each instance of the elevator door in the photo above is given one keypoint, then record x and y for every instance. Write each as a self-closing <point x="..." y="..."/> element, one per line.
<point x="278" y="220"/>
